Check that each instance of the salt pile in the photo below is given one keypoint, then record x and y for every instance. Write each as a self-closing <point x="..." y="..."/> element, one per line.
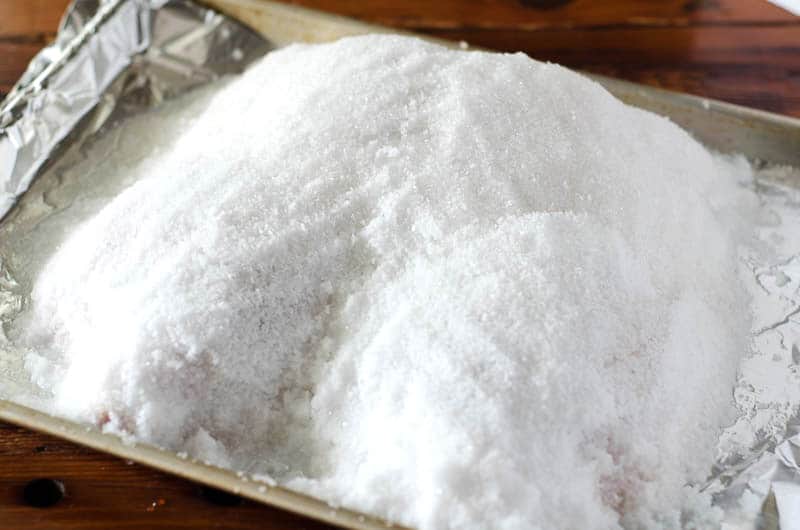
<point x="454" y="289"/>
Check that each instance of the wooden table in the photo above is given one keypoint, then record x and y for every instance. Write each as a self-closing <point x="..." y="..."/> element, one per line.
<point x="743" y="51"/>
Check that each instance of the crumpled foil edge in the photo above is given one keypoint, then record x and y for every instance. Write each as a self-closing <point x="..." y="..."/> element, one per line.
<point x="160" y="48"/>
<point x="44" y="107"/>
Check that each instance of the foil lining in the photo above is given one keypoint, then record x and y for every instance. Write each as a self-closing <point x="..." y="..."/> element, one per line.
<point x="756" y="479"/>
<point x="113" y="59"/>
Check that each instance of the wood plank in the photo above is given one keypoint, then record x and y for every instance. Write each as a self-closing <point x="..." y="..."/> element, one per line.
<point x="740" y="45"/>
<point x="755" y="66"/>
<point x="14" y="58"/>
<point x="30" y="17"/>
<point x="101" y="489"/>
<point x="738" y="62"/>
<point x="33" y="17"/>
<point x="528" y="14"/>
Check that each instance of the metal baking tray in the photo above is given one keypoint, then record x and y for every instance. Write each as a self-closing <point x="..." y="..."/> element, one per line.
<point x="759" y="135"/>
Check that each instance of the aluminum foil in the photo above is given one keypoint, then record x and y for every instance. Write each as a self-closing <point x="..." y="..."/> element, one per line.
<point x="111" y="59"/>
<point x="116" y="58"/>
<point x="756" y="479"/>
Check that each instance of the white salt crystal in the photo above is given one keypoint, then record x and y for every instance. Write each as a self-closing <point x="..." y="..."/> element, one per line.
<point x="454" y="289"/>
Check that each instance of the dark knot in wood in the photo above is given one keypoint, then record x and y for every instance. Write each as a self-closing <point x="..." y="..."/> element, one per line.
<point x="544" y="4"/>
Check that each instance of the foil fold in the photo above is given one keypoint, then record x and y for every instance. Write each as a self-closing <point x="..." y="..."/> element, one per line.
<point x="110" y="59"/>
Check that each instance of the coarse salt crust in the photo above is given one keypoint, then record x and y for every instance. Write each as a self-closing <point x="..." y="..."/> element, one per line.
<point x="454" y="289"/>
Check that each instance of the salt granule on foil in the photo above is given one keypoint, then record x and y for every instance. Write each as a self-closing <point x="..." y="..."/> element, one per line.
<point x="453" y="289"/>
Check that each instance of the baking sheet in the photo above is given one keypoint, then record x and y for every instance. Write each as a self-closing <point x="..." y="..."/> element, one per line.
<point x="117" y="59"/>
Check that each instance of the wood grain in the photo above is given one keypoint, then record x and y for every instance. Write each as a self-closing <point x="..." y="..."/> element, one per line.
<point x="758" y="66"/>
<point x="422" y="15"/>
<point x="14" y="58"/>
<point x="743" y="51"/>
<point x="27" y="18"/>
<point x="105" y="492"/>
